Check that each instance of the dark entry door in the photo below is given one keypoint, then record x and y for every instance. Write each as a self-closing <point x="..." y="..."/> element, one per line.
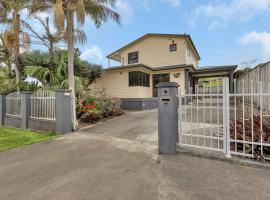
<point x="158" y="78"/>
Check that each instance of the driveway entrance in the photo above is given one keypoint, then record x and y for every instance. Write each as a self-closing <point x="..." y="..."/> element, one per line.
<point x="118" y="160"/>
<point x="135" y="126"/>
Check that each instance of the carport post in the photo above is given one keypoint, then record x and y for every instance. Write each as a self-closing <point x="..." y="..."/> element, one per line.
<point x="63" y="111"/>
<point x="25" y="108"/>
<point x="168" y="117"/>
<point x="2" y="108"/>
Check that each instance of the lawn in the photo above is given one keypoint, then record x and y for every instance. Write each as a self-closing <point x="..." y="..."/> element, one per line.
<point x="12" y="137"/>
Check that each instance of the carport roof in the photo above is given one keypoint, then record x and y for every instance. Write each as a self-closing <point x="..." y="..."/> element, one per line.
<point x="210" y="71"/>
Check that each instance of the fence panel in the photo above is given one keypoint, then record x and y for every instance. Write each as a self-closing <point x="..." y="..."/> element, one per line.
<point x="250" y="120"/>
<point x="43" y="105"/>
<point x="13" y="104"/>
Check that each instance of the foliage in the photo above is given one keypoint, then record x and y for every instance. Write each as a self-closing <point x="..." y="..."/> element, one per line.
<point x="241" y="72"/>
<point x="14" y="36"/>
<point x="12" y="137"/>
<point x="98" y="106"/>
<point x="53" y="73"/>
<point x="8" y="83"/>
<point x="246" y="131"/>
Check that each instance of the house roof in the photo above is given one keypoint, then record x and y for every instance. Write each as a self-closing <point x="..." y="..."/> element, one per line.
<point x="210" y="71"/>
<point x="150" y="68"/>
<point x="188" y="37"/>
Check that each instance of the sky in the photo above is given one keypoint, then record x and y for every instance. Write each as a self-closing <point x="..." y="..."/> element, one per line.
<point x="224" y="31"/>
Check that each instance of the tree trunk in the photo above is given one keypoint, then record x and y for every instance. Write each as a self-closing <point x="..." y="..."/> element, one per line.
<point x="16" y="47"/>
<point x="70" y="41"/>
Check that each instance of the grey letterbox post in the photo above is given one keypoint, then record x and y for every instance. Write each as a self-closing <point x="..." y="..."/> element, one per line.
<point x="167" y="117"/>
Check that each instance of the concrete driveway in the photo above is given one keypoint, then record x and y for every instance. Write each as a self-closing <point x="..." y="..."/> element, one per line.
<point x="110" y="161"/>
<point x="135" y="126"/>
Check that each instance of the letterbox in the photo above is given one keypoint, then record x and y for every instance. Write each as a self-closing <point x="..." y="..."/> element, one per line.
<point x="168" y="117"/>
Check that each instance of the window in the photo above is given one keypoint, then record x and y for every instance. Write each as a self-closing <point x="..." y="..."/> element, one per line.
<point x="173" y="47"/>
<point x="138" y="78"/>
<point x="133" y="57"/>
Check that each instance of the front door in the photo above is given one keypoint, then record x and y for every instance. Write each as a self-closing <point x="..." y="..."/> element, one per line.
<point x="158" y="78"/>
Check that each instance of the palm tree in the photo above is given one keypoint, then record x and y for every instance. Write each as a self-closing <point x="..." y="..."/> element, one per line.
<point x="65" y="10"/>
<point x="53" y="74"/>
<point x="49" y="39"/>
<point x="5" y="56"/>
<point x="10" y="14"/>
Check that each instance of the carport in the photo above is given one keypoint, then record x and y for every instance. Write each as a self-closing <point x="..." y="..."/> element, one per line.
<point x="193" y="75"/>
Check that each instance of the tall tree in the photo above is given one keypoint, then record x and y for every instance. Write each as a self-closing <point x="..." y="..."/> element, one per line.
<point x="65" y="11"/>
<point x="10" y="14"/>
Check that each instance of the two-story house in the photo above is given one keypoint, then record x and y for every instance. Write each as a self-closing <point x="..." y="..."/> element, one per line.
<point x="151" y="59"/>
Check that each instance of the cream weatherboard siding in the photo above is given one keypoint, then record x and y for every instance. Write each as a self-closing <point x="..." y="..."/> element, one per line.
<point x="155" y="51"/>
<point x="191" y="58"/>
<point x="116" y="82"/>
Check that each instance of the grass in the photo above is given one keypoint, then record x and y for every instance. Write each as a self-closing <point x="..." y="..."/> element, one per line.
<point x="13" y="137"/>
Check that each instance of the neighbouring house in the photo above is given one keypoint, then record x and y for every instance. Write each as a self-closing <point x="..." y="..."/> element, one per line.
<point x="151" y="59"/>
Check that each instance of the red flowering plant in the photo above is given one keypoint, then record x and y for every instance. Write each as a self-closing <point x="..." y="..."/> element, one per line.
<point x="98" y="106"/>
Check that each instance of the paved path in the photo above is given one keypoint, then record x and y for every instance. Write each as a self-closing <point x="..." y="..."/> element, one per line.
<point x="110" y="163"/>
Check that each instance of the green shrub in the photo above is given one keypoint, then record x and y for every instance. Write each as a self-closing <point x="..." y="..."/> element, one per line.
<point x="97" y="106"/>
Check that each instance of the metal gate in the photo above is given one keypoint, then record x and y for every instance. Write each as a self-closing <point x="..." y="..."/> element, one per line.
<point x="202" y="116"/>
<point x="233" y="123"/>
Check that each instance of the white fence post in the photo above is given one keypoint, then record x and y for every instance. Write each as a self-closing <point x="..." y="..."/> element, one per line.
<point x="226" y="117"/>
<point x="180" y="119"/>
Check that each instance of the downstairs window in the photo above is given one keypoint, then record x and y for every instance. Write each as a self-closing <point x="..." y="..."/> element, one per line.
<point x="138" y="78"/>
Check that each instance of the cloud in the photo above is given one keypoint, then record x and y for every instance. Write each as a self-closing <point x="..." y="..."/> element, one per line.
<point x="125" y="10"/>
<point x="173" y="3"/>
<point x="260" y="38"/>
<point x="147" y="3"/>
<point x="93" y="54"/>
<point x="221" y="12"/>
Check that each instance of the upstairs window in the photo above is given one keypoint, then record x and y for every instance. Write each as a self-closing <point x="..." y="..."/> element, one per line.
<point x="133" y="57"/>
<point x="173" y="47"/>
<point x="138" y="78"/>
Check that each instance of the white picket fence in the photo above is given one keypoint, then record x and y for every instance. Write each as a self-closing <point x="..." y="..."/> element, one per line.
<point x="13" y="104"/>
<point x="43" y="105"/>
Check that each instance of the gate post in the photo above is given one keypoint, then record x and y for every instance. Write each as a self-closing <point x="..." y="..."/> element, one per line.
<point x="2" y="108"/>
<point x="226" y="117"/>
<point x="25" y="108"/>
<point x="63" y="111"/>
<point x="168" y="117"/>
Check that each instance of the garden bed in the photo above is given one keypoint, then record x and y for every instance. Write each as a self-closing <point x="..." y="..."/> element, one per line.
<point x="98" y="107"/>
<point x="259" y="133"/>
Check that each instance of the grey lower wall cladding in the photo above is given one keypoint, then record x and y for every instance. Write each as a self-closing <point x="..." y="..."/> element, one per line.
<point x="139" y="103"/>
<point x="143" y="103"/>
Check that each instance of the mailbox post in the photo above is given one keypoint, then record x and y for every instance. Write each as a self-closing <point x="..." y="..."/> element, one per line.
<point x="168" y="117"/>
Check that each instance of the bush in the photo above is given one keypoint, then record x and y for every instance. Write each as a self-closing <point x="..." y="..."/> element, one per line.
<point x="98" y="106"/>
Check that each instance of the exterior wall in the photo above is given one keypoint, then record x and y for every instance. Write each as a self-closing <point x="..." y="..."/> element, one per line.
<point x="190" y="57"/>
<point x="116" y="82"/>
<point x="155" y="51"/>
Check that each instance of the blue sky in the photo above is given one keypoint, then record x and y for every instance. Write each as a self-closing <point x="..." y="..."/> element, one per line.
<point x="224" y="31"/>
